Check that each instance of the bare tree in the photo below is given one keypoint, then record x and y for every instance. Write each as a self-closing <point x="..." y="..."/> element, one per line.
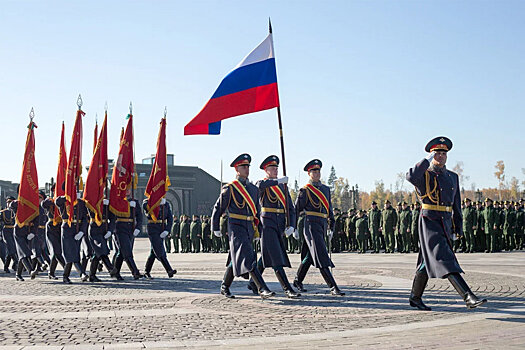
<point x="500" y="175"/>
<point x="459" y="169"/>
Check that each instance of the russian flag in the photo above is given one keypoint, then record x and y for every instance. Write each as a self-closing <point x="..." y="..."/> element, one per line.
<point x="250" y="87"/>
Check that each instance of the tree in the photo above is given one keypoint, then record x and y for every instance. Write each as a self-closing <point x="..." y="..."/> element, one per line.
<point x="458" y="169"/>
<point x="500" y="175"/>
<point x="294" y="191"/>
<point x="331" y="179"/>
<point x="379" y="194"/>
<point x="514" y="188"/>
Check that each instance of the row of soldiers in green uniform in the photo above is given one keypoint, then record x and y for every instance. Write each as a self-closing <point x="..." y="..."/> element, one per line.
<point x="492" y="226"/>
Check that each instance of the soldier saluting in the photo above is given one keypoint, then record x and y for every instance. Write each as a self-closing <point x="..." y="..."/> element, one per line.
<point x="316" y="201"/>
<point x="440" y="221"/>
<point x="241" y="199"/>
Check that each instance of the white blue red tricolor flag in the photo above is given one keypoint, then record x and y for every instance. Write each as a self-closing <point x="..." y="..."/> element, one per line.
<point x="249" y="88"/>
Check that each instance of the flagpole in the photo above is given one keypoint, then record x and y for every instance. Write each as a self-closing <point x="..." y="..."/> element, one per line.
<point x="281" y="137"/>
<point x="79" y="104"/>
<point x="106" y="175"/>
<point x="132" y="170"/>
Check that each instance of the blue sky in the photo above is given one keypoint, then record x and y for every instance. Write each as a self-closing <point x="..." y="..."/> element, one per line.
<point x="363" y="84"/>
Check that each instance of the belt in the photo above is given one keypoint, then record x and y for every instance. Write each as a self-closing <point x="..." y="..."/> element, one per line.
<point x="94" y="222"/>
<point x="124" y="220"/>
<point x="436" y="207"/>
<point x="42" y="226"/>
<point x="316" y="213"/>
<point x="158" y="221"/>
<point x="9" y="226"/>
<point x="272" y="210"/>
<point x="240" y="217"/>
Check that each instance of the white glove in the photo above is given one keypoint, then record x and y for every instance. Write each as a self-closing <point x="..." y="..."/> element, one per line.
<point x="163" y="234"/>
<point x="132" y="204"/>
<point x="79" y="235"/>
<point x="330" y="234"/>
<point x="288" y="231"/>
<point x="296" y="234"/>
<point x="217" y="234"/>
<point x="30" y="236"/>
<point x="79" y="195"/>
<point x="105" y="202"/>
<point x="430" y="156"/>
<point x="136" y="232"/>
<point x="282" y="180"/>
<point x="163" y="201"/>
<point x="107" y="235"/>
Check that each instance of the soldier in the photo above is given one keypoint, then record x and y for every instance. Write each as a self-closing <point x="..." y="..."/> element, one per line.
<point x="223" y="239"/>
<point x="241" y="199"/>
<point x="316" y="201"/>
<point x="98" y="236"/>
<point x="491" y="219"/>
<point x="388" y="225"/>
<point x="338" y="228"/>
<point x="520" y="225"/>
<point x="374" y="223"/>
<point x="300" y="228"/>
<point x="175" y="234"/>
<point x="196" y="234"/>
<point x="469" y="224"/>
<point x="38" y="244"/>
<point x="350" y="228"/>
<point x="23" y="236"/>
<point x="71" y="235"/>
<point x="53" y="235"/>
<point x="414" y="227"/>
<point x="439" y="222"/>
<point x="277" y="224"/>
<point x="500" y="242"/>
<point x="157" y="232"/>
<point x="405" y="221"/>
<point x="127" y="227"/>
<point x="7" y="221"/>
<point x="480" y="228"/>
<point x="361" y="226"/>
<point x="206" y="234"/>
<point x="509" y="226"/>
<point x="185" y="234"/>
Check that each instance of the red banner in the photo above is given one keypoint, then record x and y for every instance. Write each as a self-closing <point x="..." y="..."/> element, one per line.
<point x="74" y="166"/>
<point x="122" y="173"/>
<point x="28" y="201"/>
<point x="97" y="174"/>
<point x="61" y="174"/>
<point x="159" y="181"/>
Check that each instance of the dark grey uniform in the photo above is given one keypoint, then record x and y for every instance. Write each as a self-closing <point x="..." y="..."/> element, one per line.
<point x="7" y="222"/>
<point x="53" y="236"/>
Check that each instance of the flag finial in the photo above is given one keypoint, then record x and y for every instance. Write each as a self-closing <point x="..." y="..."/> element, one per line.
<point x="165" y="111"/>
<point x="270" y="25"/>
<point x="79" y="102"/>
<point x="130" y="108"/>
<point x="106" y="106"/>
<point x="31" y="114"/>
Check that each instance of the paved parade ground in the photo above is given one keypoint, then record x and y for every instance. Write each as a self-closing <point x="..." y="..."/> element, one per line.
<point x="187" y="311"/>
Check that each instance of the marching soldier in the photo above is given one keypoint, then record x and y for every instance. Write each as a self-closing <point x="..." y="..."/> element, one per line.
<point x="126" y="229"/>
<point x="273" y="199"/>
<point x="7" y="220"/>
<point x="241" y="199"/>
<point x="38" y="243"/>
<point x="374" y="222"/>
<point x="157" y="233"/>
<point x="53" y="236"/>
<point x="98" y="236"/>
<point x="439" y="223"/>
<point x="388" y="226"/>
<point x="71" y="236"/>
<point x="315" y="200"/>
<point x="23" y="236"/>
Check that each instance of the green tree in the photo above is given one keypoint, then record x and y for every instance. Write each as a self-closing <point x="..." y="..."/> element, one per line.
<point x="331" y="179"/>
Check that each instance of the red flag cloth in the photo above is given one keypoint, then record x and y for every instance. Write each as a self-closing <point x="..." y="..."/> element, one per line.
<point x="122" y="173"/>
<point x="74" y="165"/>
<point x="97" y="175"/>
<point x="95" y="136"/>
<point x="61" y="174"/>
<point x="159" y="181"/>
<point x="28" y="201"/>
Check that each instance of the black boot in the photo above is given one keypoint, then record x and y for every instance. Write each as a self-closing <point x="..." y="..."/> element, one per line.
<point x="264" y="292"/>
<point x="105" y="260"/>
<point x="93" y="270"/>
<point x="418" y="286"/>
<point x="6" y="264"/>
<point x="42" y="263"/>
<point x="82" y="272"/>
<point x="149" y="266"/>
<point x="330" y="281"/>
<point x="115" y="272"/>
<point x="285" y="284"/>
<point x="83" y="263"/>
<point x="133" y="268"/>
<point x="19" y="269"/>
<point x="52" y="268"/>
<point x="251" y="285"/>
<point x="164" y="261"/>
<point x="67" y="271"/>
<point x="299" y="278"/>
<point x="227" y="282"/>
<point x="464" y="291"/>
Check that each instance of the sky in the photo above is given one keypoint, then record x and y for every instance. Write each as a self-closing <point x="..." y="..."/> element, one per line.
<point x="363" y="85"/>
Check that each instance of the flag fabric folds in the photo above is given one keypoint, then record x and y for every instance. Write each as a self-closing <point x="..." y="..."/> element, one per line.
<point x="97" y="174"/>
<point x="122" y="173"/>
<point x="28" y="201"/>
<point x="74" y="166"/>
<point x="249" y="88"/>
<point x="159" y="181"/>
<point x="61" y="174"/>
